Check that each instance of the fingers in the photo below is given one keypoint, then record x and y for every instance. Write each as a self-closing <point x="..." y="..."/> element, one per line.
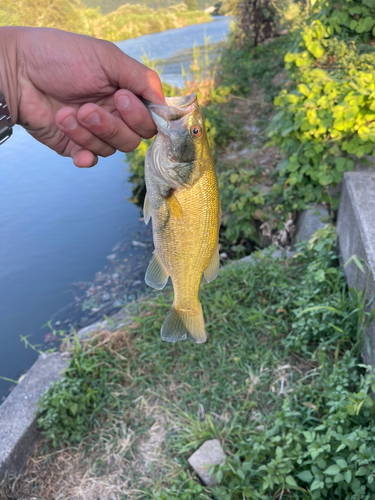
<point x="134" y="113"/>
<point x="109" y="128"/>
<point x="94" y="129"/>
<point x="82" y="158"/>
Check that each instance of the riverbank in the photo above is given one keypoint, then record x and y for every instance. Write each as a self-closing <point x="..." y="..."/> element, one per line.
<point x="128" y="21"/>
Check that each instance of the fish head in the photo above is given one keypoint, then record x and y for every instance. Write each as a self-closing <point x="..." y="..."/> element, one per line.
<point x="181" y="145"/>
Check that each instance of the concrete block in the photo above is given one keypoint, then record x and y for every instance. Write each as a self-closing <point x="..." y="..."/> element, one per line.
<point x="356" y="236"/>
<point x="207" y="456"/>
<point x="18" y="431"/>
<point x="310" y="220"/>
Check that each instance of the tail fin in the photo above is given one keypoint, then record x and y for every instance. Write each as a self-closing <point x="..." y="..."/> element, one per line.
<point x="181" y="325"/>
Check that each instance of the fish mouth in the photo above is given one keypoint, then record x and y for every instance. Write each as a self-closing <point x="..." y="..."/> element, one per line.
<point x="177" y="108"/>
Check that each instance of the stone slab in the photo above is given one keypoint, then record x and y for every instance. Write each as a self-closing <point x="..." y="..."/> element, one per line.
<point x="310" y="220"/>
<point x="356" y="236"/>
<point x="207" y="456"/>
<point x="18" y="431"/>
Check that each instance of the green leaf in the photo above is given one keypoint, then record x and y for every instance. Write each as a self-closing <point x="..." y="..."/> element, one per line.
<point x="357" y="262"/>
<point x="348" y="476"/>
<point x="317" y="484"/>
<point x="341" y="463"/>
<point x="305" y="476"/>
<point x="320" y="276"/>
<point x="332" y="470"/>
<point x="219" y="476"/>
<point x="240" y="474"/>
<point x="233" y="178"/>
<point x="290" y="481"/>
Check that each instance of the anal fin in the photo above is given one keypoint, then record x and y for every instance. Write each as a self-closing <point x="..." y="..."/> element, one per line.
<point x="146" y="210"/>
<point x="212" y="270"/>
<point x="156" y="274"/>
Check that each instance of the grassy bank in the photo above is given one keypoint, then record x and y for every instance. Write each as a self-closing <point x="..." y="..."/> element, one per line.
<point x="280" y="383"/>
<point x="128" y="21"/>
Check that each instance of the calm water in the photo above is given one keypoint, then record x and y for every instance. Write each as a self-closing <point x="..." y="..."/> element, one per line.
<point x="59" y="223"/>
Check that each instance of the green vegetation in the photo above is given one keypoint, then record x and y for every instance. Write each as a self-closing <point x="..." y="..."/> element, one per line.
<point x="128" y="21"/>
<point x="326" y="115"/>
<point x="279" y="382"/>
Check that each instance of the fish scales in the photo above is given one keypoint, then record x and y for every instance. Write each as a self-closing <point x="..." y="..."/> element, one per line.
<point x="186" y="218"/>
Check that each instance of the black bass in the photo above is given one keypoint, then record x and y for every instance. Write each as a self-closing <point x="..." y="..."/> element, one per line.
<point x="183" y="200"/>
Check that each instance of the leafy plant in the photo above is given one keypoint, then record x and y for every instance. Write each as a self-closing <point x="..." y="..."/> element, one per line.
<point x="326" y="116"/>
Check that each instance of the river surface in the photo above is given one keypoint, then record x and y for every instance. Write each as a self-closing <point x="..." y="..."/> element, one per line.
<point x="68" y="235"/>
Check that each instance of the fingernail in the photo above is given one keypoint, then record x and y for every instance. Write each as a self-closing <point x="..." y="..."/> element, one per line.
<point x="93" y="119"/>
<point x="69" y="123"/>
<point x="123" y="101"/>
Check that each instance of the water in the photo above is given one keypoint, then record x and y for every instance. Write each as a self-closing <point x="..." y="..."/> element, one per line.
<point x="58" y="223"/>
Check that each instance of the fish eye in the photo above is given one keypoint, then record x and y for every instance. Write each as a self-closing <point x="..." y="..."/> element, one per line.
<point x="196" y="131"/>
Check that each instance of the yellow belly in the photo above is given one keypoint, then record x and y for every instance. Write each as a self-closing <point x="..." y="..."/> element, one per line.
<point x="186" y="245"/>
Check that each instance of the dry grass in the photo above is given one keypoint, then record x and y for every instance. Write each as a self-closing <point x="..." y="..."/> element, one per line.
<point x="99" y="468"/>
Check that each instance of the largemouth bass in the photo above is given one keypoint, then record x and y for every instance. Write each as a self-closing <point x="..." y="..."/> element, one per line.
<point x="183" y="200"/>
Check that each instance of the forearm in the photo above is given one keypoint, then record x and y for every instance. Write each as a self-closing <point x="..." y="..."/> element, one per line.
<point x="8" y="68"/>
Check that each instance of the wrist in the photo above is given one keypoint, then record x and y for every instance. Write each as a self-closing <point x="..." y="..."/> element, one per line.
<point x="8" y="69"/>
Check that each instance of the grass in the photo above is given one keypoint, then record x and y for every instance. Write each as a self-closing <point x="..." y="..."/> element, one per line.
<point x="147" y="405"/>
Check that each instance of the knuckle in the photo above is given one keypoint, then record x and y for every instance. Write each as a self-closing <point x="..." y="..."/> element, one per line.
<point x="132" y="145"/>
<point x="110" y="134"/>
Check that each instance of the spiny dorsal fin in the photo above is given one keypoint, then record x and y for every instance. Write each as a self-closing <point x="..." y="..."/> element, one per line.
<point x="156" y="274"/>
<point x="211" y="272"/>
<point x="146" y="210"/>
<point x="174" y="207"/>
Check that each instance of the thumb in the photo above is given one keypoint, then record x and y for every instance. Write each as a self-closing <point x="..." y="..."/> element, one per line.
<point x="132" y="75"/>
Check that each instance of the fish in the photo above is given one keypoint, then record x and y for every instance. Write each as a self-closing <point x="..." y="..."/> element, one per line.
<point x="183" y="202"/>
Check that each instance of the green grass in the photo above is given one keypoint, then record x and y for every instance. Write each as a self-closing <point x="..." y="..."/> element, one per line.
<point x="279" y="383"/>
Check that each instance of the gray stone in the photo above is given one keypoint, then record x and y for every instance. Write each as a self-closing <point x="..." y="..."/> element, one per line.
<point x="207" y="456"/>
<point x="356" y="235"/>
<point x="277" y="254"/>
<point x="18" y="430"/>
<point x="312" y="219"/>
<point x="88" y="330"/>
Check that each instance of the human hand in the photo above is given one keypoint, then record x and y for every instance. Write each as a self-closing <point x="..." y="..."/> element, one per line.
<point x="76" y="94"/>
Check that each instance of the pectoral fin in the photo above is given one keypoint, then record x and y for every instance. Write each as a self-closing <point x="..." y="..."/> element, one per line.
<point x="211" y="272"/>
<point x="174" y="207"/>
<point x="156" y="274"/>
<point x="146" y="210"/>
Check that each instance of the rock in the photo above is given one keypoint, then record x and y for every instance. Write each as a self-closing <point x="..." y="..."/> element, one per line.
<point x="136" y="283"/>
<point x="117" y="303"/>
<point x="223" y="256"/>
<point x="312" y="219"/>
<point x="136" y="243"/>
<point x="207" y="456"/>
<point x="106" y="296"/>
<point x="111" y="256"/>
<point x="115" y="276"/>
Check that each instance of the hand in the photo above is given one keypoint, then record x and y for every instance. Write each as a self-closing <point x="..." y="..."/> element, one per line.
<point x="76" y="94"/>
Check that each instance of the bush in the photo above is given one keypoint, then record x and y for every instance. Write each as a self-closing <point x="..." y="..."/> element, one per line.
<point x="326" y="116"/>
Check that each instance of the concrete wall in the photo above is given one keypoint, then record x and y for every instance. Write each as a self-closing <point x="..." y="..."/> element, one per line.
<point x="356" y="235"/>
